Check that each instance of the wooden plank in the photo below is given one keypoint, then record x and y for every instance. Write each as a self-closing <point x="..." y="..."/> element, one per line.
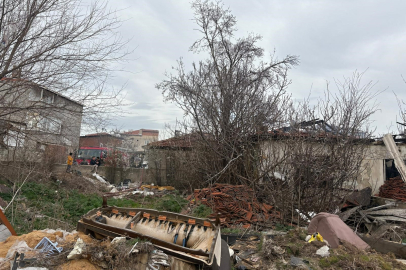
<point x="386" y="218"/>
<point x="4" y="219"/>
<point x="345" y="215"/>
<point x="379" y="207"/>
<point x="394" y="151"/>
<point x="389" y="212"/>
<point x="384" y="246"/>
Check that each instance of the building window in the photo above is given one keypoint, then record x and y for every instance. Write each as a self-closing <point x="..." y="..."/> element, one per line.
<point x="41" y="95"/>
<point x="45" y="124"/>
<point x="14" y="139"/>
<point x="146" y="142"/>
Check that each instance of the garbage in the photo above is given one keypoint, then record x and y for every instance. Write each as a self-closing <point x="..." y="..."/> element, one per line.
<point x="160" y="188"/>
<point x="4" y="232"/>
<point x="298" y="262"/>
<point x="323" y="251"/>
<point x="315" y="237"/>
<point x="18" y="246"/>
<point x="156" y="259"/>
<point x="333" y="229"/>
<point x="118" y="240"/>
<point x="77" y="251"/>
<point x="20" y="261"/>
<point x="101" y="179"/>
<point x="46" y="246"/>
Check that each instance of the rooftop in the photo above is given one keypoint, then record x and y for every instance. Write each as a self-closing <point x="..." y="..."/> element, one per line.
<point x="35" y="84"/>
<point x="146" y="132"/>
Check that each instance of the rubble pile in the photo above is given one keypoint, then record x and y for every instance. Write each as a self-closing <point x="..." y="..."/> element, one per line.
<point x="294" y="249"/>
<point x="394" y="188"/>
<point x="234" y="204"/>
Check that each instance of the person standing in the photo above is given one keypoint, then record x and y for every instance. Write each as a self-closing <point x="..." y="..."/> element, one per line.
<point x="69" y="162"/>
<point x="93" y="163"/>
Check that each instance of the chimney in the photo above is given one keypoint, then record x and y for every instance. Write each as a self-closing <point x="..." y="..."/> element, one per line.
<point x="178" y="133"/>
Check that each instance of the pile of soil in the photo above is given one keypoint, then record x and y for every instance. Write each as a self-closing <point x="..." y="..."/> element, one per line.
<point x="33" y="238"/>
<point x="77" y="264"/>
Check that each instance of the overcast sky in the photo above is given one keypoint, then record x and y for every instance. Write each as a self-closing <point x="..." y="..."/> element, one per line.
<point x="332" y="39"/>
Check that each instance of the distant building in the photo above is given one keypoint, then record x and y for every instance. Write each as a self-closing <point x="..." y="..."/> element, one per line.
<point x="101" y="140"/>
<point x="136" y="139"/>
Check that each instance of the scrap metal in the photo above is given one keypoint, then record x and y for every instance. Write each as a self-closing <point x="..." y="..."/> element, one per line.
<point x="234" y="205"/>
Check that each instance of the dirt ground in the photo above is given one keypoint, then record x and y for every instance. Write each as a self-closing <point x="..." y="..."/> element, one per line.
<point x="78" y="265"/>
<point x="33" y="238"/>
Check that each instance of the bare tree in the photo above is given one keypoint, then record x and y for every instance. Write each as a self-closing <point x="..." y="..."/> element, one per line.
<point x="323" y="149"/>
<point x="65" y="46"/>
<point x="54" y="55"/>
<point x="228" y="97"/>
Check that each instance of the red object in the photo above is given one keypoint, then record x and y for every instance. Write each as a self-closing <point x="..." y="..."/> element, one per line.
<point x="86" y="153"/>
<point x="394" y="188"/>
<point x="5" y="221"/>
<point x="234" y="204"/>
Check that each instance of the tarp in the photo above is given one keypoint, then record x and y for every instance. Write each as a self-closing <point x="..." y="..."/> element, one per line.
<point x="333" y="229"/>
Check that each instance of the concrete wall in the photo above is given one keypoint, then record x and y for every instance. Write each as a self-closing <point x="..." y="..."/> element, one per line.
<point x="136" y="175"/>
<point x="373" y="172"/>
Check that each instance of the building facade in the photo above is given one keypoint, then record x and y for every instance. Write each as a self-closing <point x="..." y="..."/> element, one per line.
<point x="137" y="139"/>
<point x="37" y="120"/>
<point x="100" y="140"/>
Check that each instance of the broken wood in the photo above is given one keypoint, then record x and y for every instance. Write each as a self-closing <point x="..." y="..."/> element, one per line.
<point x="5" y="221"/>
<point x="394" y="151"/>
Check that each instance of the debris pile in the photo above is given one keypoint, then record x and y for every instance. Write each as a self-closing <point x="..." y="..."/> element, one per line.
<point x="234" y="205"/>
<point x="40" y="250"/>
<point x="293" y="250"/>
<point x="394" y="188"/>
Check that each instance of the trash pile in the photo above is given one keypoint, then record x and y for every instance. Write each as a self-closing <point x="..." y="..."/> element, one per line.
<point x="394" y="188"/>
<point x="296" y="249"/>
<point x="58" y="249"/>
<point x="328" y="243"/>
<point x="148" y="190"/>
<point x="374" y="216"/>
<point x="234" y="205"/>
<point x="29" y="249"/>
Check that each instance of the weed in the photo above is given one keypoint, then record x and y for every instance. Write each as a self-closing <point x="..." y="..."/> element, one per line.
<point x="171" y="203"/>
<point x="385" y="265"/>
<point x="6" y="196"/>
<point x="50" y="207"/>
<point x="283" y="227"/>
<point x="328" y="262"/>
<point x="260" y="244"/>
<point x="232" y="231"/>
<point x="133" y="241"/>
<point x="202" y="211"/>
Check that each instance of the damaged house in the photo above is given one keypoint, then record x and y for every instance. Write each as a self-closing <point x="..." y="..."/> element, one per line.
<point x="315" y="145"/>
<point x="36" y="121"/>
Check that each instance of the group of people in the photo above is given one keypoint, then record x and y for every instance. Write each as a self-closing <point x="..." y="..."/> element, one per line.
<point x="95" y="162"/>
